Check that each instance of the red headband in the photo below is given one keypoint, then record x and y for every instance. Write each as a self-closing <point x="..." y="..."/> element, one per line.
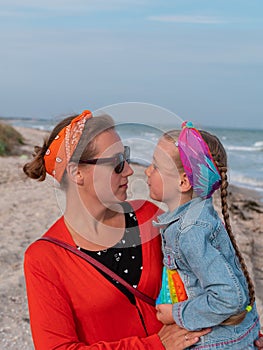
<point x="63" y="146"/>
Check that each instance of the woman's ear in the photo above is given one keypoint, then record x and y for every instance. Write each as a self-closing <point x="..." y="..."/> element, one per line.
<point x="75" y="173"/>
<point x="185" y="184"/>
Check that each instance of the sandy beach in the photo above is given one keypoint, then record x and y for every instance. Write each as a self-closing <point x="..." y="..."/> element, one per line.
<point x="29" y="207"/>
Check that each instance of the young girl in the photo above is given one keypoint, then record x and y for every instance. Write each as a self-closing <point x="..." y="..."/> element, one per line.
<point x="201" y="251"/>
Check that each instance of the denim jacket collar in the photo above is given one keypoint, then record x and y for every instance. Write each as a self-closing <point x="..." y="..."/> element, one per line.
<point x="170" y="216"/>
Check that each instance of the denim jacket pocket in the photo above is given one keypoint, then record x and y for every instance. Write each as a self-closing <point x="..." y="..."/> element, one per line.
<point x="169" y="259"/>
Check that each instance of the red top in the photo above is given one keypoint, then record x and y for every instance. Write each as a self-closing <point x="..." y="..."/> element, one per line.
<point x="72" y="306"/>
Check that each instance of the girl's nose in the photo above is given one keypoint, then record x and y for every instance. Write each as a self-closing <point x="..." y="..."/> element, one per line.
<point x="148" y="170"/>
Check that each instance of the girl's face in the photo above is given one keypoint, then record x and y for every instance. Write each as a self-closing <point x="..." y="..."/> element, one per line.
<point x="164" y="177"/>
<point x="102" y="183"/>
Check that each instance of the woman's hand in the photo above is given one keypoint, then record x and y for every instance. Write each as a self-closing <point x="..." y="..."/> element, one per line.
<point x="165" y="313"/>
<point x="174" y="337"/>
<point x="259" y="342"/>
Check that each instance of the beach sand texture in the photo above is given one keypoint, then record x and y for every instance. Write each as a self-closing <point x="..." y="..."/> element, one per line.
<point x="29" y="207"/>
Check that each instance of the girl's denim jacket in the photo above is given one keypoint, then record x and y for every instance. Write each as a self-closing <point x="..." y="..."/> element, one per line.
<point x="196" y="243"/>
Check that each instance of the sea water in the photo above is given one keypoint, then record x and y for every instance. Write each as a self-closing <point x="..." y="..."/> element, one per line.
<point x="245" y="156"/>
<point x="244" y="147"/>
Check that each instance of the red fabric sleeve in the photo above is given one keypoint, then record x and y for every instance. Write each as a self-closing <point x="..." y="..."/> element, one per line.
<point x="53" y="319"/>
<point x="63" y="292"/>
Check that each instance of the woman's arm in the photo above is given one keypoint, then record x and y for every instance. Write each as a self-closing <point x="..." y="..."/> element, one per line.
<point x="53" y="321"/>
<point x="53" y="325"/>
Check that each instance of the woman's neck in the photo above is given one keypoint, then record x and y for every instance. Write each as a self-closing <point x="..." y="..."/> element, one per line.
<point x="95" y="229"/>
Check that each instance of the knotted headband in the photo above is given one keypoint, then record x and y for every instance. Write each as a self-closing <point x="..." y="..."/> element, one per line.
<point x="198" y="162"/>
<point x="63" y="146"/>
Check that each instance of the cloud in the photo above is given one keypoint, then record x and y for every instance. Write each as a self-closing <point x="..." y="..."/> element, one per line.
<point x="186" y="19"/>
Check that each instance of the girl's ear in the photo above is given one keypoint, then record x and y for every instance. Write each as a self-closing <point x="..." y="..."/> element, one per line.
<point x="75" y="173"/>
<point x="185" y="185"/>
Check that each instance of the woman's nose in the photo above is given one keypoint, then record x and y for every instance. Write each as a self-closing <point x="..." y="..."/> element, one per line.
<point x="127" y="171"/>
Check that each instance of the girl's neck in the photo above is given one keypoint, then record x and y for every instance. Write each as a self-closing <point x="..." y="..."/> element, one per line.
<point x="176" y="204"/>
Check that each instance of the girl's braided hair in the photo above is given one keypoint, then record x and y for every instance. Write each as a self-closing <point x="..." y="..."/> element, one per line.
<point x="220" y="158"/>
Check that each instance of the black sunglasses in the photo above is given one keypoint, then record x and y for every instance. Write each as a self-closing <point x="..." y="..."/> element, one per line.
<point x="118" y="160"/>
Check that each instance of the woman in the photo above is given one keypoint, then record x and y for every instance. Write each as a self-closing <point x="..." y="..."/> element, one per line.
<point x="72" y="304"/>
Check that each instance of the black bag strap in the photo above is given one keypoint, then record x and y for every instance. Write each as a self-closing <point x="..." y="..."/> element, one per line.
<point x="100" y="266"/>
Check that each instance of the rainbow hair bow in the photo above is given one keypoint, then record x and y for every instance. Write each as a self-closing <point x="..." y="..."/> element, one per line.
<point x="198" y="162"/>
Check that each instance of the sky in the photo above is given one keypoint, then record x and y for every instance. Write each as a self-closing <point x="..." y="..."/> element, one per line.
<point x="200" y="59"/>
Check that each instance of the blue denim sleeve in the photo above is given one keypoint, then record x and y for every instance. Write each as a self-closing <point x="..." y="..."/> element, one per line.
<point x="214" y="289"/>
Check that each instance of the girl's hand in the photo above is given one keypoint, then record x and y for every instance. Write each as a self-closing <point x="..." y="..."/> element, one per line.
<point x="175" y="337"/>
<point x="165" y="313"/>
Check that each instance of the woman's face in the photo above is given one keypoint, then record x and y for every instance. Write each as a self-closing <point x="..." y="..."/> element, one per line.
<point x="102" y="183"/>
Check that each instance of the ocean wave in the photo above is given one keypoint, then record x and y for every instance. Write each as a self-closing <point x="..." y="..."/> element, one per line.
<point x="33" y="123"/>
<point x="245" y="181"/>
<point x="257" y="147"/>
